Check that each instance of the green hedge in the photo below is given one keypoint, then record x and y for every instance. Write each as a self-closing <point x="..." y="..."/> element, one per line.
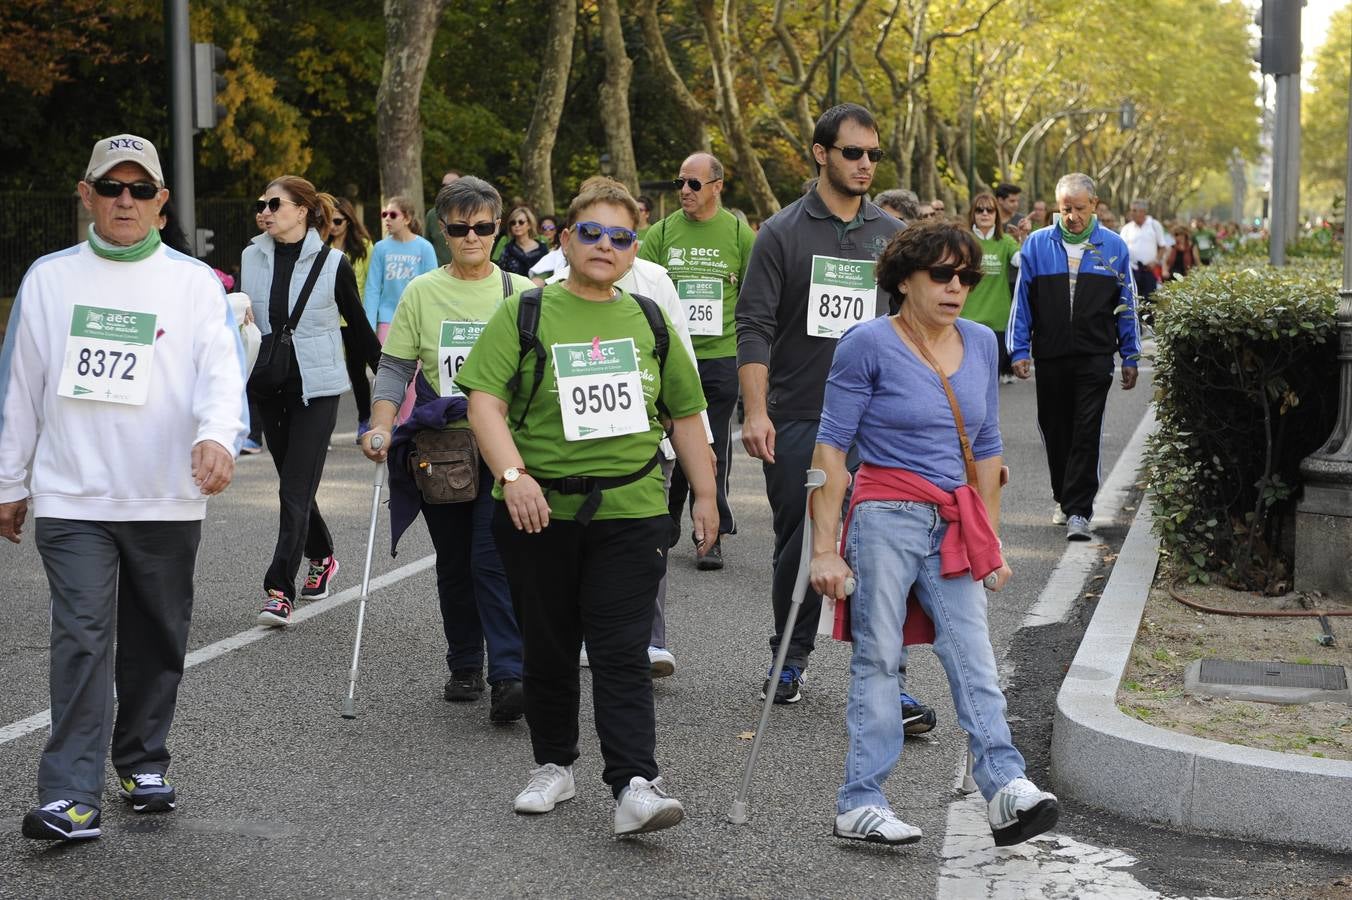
<point x="1246" y="386"/>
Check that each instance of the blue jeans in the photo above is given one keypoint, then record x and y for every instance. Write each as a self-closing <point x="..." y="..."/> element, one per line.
<point x="892" y="546"/>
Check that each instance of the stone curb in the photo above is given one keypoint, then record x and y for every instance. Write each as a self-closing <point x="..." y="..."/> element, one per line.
<point x="1103" y="757"/>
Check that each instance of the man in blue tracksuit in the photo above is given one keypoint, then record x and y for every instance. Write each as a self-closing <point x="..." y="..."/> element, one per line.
<point x="1074" y="306"/>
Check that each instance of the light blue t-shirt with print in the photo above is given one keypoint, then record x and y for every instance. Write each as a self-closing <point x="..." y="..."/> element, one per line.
<point x="393" y="265"/>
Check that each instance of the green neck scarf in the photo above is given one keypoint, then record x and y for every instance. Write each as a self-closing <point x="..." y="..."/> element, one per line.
<point x="1071" y="237"/>
<point x="136" y="252"/>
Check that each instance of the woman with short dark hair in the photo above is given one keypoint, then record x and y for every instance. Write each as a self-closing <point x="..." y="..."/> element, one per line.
<point x="922" y="522"/>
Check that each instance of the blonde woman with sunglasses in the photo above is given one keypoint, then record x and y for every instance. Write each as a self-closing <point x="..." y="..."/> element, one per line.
<point x="522" y="250"/>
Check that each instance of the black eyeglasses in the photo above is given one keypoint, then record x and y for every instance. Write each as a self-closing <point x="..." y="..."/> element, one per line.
<point x="461" y="229"/>
<point x="590" y="233"/>
<point x="944" y="274"/>
<point x="274" y="204"/>
<point x="112" y="188"/>
<point x="695" y="183"/>
<point x="853" y="153"/>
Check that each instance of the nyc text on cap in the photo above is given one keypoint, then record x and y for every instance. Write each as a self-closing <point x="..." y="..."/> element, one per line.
<point x="121" y="148"/>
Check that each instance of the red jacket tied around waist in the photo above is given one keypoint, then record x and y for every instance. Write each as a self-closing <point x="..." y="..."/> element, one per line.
<point x="969" y="546"/>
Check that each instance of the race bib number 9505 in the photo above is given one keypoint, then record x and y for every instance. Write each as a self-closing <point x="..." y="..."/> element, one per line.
<point x="600" y="389"/>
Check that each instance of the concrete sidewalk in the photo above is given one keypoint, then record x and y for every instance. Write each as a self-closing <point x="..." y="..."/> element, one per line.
<point x="1104" y="757"/>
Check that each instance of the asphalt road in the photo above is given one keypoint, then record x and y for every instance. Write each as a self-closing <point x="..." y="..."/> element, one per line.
<point x="278" y="795"/>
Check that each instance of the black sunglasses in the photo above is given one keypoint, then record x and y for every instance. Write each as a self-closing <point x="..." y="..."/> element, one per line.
<point x="590" y="233"/>
<point x="461" y="229"/>
<point x="695" y="183"/>
<point x="517" y="222"/>
<point x="111" y="187"/>
<point x="854" y="153"/>
<point x="944" y="274"/>
<point x="274" y="204"/>
<point x="983" y="209"/>
<point x="338" y="220"/>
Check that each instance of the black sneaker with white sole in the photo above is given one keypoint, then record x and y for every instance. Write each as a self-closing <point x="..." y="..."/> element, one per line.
<point x="790" y="687"/>
<point x="147" y="792"/>
<point x="916" y="717"/>
<point x="62" y="820"/>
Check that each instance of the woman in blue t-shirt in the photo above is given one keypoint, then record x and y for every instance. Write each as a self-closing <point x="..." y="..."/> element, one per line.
<point x="922" y="523"/>
<point x="398" y="258"/>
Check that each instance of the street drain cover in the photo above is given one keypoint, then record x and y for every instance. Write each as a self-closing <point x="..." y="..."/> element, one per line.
<point x="1268" y="682"/>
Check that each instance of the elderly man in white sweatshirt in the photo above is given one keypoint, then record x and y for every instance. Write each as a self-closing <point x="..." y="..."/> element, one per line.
<point x="121" y="411"/>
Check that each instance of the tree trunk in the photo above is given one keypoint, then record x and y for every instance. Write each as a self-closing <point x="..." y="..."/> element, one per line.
<point x="615" y="97"/>
<point x="409" y="28"/>
<point x="739" y="137"/>
<point x="537" y="151"/>
<point x="695" y="113"/>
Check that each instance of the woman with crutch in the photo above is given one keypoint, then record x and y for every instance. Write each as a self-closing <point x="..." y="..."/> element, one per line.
<point x="908" y="390"/>
<point x="571" y="428"/>
<point x="434" y="329"/>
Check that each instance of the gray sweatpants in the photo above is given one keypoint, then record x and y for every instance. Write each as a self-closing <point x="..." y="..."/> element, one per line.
<point x="126" y="580"/>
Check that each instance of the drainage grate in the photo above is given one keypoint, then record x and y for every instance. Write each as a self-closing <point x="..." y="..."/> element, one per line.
<point x="1273" y="674"/>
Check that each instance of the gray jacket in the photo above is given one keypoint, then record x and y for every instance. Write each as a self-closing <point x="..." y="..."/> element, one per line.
<point x="318" y="341"/>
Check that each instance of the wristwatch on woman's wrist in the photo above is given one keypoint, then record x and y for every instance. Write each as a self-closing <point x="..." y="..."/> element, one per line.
<point x="511" y="474"/>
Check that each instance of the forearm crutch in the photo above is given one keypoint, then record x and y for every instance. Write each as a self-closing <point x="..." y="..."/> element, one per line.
<point x="350" y="702"/>
<point x="737" y="812"/>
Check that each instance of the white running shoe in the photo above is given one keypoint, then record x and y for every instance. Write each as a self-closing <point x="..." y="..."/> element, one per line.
<point x="644" y="807"/>
<point x="1020" y="811"/>
<point x="1077" y="529"/>
<point x="1058" y="515"/>
<point x="662" y="661"/>
<point x="876" y="825"/>
<point x="549" y="785"/>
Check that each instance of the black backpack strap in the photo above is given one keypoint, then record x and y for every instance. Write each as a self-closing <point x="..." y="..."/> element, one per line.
<point x="527" y="324"/>
<point x="507" y="287"/>
<point x="661" y="337"/>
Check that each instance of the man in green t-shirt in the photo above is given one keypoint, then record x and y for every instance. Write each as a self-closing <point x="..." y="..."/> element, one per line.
<point x="705" y="250"/>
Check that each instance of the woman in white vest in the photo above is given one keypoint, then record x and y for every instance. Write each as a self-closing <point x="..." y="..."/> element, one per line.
<point x="300" y="406"/>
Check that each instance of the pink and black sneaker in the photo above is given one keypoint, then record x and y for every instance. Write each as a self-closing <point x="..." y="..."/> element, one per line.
<point x="317" y="580"/>
<point x="277" y="611"/>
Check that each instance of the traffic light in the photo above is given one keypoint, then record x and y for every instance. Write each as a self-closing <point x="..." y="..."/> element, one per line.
<point x="1279" y="48"/>
<point x="207" y="84"/>
<point x="204" y="244"/>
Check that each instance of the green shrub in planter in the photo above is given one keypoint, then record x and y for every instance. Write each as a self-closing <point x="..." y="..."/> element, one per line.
<point x="1246" y="386"/>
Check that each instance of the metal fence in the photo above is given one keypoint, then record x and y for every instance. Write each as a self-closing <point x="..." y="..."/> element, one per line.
<point x="33" y="224"/>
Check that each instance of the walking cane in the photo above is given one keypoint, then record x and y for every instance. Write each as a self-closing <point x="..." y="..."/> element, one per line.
<point x="349" y="702"/>
<point x="737" y="812"/>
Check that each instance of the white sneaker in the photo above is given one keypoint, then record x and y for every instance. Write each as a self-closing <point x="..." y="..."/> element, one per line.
<point x="662" y="660"/>
<point x="876" y="825"/>
<point x="1020" y="811"/>
<point x="1077" y="529"/>
<point x="644" y="807"/>
<point x="1058" y="515"/>
<point x="582" y="658"/>
<point x="549" y="785"/>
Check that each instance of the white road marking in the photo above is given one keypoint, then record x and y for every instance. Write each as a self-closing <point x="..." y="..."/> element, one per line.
<point x="1052" y="865"/>
<point x="38" y="721"/>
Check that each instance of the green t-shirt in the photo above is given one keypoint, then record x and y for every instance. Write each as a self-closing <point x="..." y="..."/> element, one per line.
<point x="568" y="319"/>
<point x="705" y="260"/>
<point x="988" y="302"/>
<point x="436" y="297"/>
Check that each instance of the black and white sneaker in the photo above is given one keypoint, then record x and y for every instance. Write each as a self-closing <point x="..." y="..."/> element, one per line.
<point x="62" y="820"/>
<point x="790" y="687"/>
<point x="916" y="717"/>
<point x="875" y="825"/>
<point x="1020" y="811"/>
<point x="148" y="792"/>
